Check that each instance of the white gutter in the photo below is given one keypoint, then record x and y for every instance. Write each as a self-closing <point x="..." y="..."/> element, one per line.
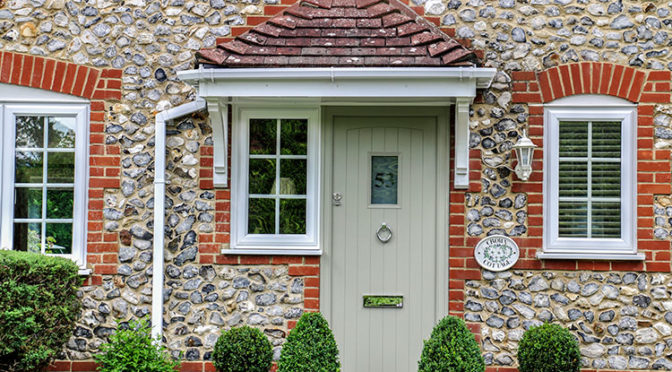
<point x="159" y="199"/>
<point x="340" y="81"/>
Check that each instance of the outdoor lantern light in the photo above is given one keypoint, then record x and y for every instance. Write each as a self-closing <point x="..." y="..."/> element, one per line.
<point x="524" y="152"/>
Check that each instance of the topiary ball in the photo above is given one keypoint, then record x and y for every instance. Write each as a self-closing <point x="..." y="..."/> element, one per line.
<point x="310" y="347"/>
<point x="549" y="348"/>
<point x="451" y="348"/>
<point x="243" y="349"/>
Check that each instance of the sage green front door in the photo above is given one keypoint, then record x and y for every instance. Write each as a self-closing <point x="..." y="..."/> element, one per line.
<point x="383" y="232"/>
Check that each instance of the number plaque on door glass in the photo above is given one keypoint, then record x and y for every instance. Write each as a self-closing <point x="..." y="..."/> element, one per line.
<point x="384" y="176"/>
<point x="395" y="302"/>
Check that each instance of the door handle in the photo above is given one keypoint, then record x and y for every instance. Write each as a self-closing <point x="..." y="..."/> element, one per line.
<point x="384" y="233"/>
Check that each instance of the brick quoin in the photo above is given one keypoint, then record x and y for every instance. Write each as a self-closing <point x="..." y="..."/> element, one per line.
<point x="99" y="86"/>
<point x="646" y="89"/>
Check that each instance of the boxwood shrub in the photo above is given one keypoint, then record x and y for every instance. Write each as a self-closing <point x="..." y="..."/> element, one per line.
<point x="310" y="347"/>
<point x="38" y="308"/>
<point x="451" y="348"/>
<point x="243" y="349"/>
<point x="131" y="348"/>
<point x="549" y="348"/>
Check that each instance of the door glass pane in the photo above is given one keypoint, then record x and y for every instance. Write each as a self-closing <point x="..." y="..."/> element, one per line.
<point x="28" y="167"/>
<point x="59" y="238"/>
<point x="263" y="136"/>
<point x="30" y="131"/>
<point x="28" y="203"/>
<point x="61" y="167"/>
<point x="261" y="217"/>
<point x="293" y="175"/>
<point x="292" y="216"/>
<point x="61" y="133"/>
<point x="27" y="237"/>
<point x="384" y="174"/>
<point x="59" y="203"/>
<point x="294" y="137"/>
<point x="262" y="176"/>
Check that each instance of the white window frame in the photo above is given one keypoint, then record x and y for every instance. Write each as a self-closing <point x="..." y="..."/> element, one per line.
<point x="241" y="241"/>
<point x="81" y="113"/>
<point x="587" y="108"/>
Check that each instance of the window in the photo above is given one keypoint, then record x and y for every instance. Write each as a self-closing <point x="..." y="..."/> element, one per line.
<point x="589" y="179"/>
<point x="274" y="192"/>
<point x="44" y="152"/>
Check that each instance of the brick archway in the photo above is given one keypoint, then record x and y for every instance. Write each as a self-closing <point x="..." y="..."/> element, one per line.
<point x="59" y="76"/>
<point x="591" y="78"/>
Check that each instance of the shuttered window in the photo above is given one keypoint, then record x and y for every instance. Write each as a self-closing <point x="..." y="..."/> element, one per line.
<point x="589" y="176"/>
<point x="589" y="179"/>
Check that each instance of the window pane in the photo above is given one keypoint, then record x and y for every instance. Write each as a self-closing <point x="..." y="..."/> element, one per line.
<point x="263" y="136"/>
<point x="61" y="132"/>
<point x="293" y="176"/>
<point x="27" y="237"/>
<point x="59" y="238"/>
<point x="606" y="139"/>
<point x="30" y="131"/>
<point x="28" y="167"/>
<point x="294" y="137"/>
<point x="572" y="219"/>
<point x="573" y="179"/>
<point x="59" y="203"/>
<point x="262" y="176"/>
<point x="606" y="180"/>
<point x="606" y="220"/>
<point x="292" y="216"/>
<point x="28" y="203"/>
<point x="261" y="218"/>
<point x="573" y="139"/>
<point x="61" y="167"/>
<point x="384" y="174"/>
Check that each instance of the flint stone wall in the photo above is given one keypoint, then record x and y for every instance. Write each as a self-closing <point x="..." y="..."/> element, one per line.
<point x="623" y="320"/>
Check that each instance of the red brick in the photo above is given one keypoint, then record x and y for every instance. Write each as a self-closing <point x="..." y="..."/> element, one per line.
<point x="27" y="70"/>
<point x="304" y="270"/>
<point x="567" y="83"/>
<point x="6" y="68"/>
<point x="523" y="75"/>
<point x="38" y="71"/>
<point x="191" y="367"/>
<point x="615" y="82"/>
<point x="59" y="75"/>
<point x="17" y="66"/>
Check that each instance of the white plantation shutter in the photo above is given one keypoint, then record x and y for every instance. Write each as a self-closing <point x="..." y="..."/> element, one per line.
<point x="589" y="177"/>
<point x="590" y="174"/>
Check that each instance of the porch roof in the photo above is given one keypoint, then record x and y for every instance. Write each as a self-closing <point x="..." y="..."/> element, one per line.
<point x="341" y="33"/>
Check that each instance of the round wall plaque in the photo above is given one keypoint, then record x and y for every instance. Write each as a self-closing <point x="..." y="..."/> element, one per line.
<point x="496" y="253"/>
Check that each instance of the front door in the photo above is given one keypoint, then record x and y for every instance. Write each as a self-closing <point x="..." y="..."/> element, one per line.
<point x="384" y="241"/>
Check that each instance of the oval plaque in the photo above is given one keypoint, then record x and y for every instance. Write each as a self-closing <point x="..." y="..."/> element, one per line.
<point x="496" y="253"/>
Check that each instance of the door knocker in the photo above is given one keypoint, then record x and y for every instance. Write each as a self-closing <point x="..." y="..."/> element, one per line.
<point x="384" y="233"/>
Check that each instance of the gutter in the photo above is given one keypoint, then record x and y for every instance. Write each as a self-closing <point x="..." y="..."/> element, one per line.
<point x="159" y="202"/>
<point x="483" y="76"/>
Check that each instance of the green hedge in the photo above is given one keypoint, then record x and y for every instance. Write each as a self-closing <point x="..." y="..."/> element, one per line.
<point x="243" y="349"/>
<point x="451" y="348"/>
<point x="549" y="348"/>
<point x="38" y="308"/>
<point x="310" y="347"/>
<point x="132" y="349"/>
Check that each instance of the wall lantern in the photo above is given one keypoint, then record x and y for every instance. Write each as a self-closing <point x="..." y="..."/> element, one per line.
<point x="525" y="153"/>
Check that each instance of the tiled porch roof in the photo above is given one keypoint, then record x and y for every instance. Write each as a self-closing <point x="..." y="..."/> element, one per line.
<point x="341" y="33"/>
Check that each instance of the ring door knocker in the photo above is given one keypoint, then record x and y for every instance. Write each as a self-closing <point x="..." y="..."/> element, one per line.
<point x="384" y="233"/>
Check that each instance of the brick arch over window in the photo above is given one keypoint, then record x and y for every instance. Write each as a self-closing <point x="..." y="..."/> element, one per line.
<point x="591" y="78"/>
<point x="59" y="76"/>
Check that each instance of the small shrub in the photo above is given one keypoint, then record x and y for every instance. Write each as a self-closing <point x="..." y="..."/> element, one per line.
<point x="310" y="347"/>
<point x="451" y="348"/>
<point x="549" y="348"/>
<point x="38" y="310"/>
<point x="132" y="349"/>
<point x="243" y="349"/>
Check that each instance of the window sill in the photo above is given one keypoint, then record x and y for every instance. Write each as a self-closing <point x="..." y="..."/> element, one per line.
<point x="272" y="252"/>
<point x="591" y="256"/>
<point x="84" y="271"/>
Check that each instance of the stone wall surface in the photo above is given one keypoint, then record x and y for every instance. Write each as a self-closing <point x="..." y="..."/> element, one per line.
<point x="623" y="320"/>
